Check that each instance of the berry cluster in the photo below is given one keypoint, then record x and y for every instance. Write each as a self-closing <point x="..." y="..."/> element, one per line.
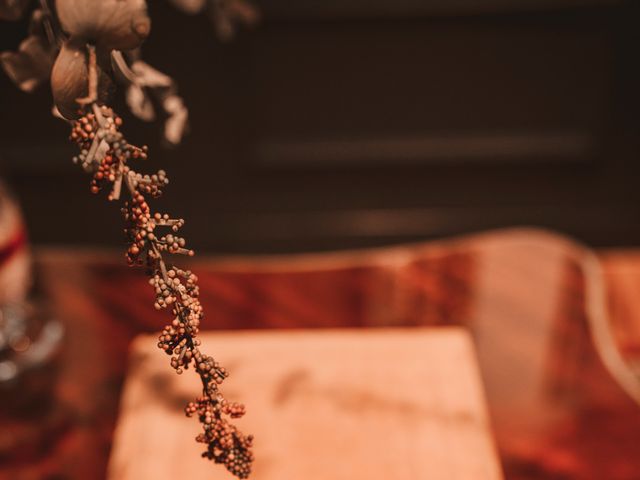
<point x="105" y="153"/>
<point x="225" y="444"/>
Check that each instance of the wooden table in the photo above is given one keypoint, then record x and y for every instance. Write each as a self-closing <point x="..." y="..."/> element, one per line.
<point x="341" y="404"/>
<point x="555" y="409"/>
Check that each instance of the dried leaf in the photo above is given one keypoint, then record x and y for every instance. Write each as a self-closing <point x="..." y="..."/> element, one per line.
<point x="70" y="79"/>
<point x="146" y="84"/>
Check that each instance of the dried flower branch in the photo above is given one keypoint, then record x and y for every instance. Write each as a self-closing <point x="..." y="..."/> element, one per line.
<point x="115" y="28"/>
<point x="105" y="153"/>
<point x="83" y="46"/>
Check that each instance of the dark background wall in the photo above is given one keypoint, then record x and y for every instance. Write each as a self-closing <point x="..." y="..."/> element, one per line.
<point x="347" y="123"/>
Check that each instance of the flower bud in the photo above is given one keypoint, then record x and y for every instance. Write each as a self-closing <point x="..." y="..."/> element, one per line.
<point x="70" y="80"/>
<point x="110" y="24"/>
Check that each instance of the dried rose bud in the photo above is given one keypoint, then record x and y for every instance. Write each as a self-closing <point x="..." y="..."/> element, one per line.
<point x="110" y="24"/>
<point x="69" y="79"/>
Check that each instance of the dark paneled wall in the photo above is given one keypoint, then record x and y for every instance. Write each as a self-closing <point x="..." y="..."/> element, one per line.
<point x="339" y="124"/>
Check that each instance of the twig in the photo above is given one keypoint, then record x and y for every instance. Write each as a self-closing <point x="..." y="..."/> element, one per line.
<point x="175" y="289"/>
<point x="92" y="93"/>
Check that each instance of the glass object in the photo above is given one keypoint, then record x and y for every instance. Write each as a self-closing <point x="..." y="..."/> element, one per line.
<point x="14" y="252"/>
<point x="30" y="340"/>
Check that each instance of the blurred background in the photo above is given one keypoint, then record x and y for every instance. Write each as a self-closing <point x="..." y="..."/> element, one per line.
<point x="334" y="126"/>
<point x="350" y="123"/>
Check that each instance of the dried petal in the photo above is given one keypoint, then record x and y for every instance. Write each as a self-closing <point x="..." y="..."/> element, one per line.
<point x="31" y="64"/>
<point x="70" y="79"/>
<point x="110" y="24"/>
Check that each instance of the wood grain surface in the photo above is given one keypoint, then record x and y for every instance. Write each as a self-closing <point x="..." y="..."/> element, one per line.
<point x="556" y="411"/>
<point x="341" y="405"/>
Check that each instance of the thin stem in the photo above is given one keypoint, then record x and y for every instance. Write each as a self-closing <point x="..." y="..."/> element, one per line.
<point x="175" y="289"/>
<point x="92" y="90"/>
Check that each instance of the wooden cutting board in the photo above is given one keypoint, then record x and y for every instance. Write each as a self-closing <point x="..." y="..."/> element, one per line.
<point x="374" y="404"/>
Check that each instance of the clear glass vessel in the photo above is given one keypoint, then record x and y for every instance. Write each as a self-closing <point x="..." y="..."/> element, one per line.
<point x="30" y="340"/>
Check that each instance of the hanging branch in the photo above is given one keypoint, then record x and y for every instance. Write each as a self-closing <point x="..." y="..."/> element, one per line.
<point x="105" y="153"/>
<point x="82" y="46"/>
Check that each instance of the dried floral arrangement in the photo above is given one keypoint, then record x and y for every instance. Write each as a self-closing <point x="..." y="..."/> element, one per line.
<point x="85" y="47"/>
